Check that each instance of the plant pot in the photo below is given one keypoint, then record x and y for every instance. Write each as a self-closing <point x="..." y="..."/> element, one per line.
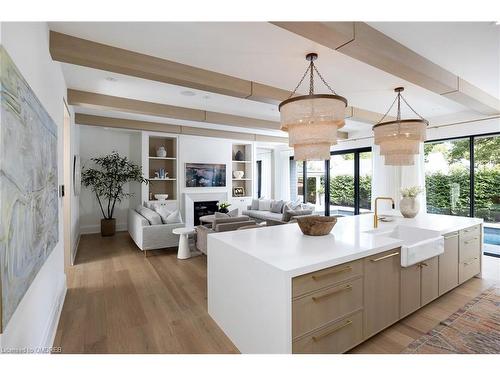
<point x="224" y="210"/>
<point x="108" y="227"/>
<point x="409" y="207"/>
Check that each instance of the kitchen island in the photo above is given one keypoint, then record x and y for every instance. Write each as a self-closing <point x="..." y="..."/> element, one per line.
<point x="274" y="290"/>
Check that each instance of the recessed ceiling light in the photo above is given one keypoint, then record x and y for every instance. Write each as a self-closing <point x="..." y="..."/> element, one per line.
<point x="188" y="93"/>
<point x="111" y="79"/>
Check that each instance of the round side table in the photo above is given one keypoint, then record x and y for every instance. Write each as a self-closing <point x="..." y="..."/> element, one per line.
<point x="184" y="251"/>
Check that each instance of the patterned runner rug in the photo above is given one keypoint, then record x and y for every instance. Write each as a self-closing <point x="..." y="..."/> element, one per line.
<point x="474" y="329"/>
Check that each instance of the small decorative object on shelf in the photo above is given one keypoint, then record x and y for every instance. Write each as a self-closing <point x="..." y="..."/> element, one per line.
<point x="238" y="174"/>
<point x="223" y="207"/>
<point x="239" y="156"/>
<point x="161" y="152"/>
<point x="409" y="205"/>
<point x="150" y="196"/>
<point x="161" y="197"/>
<point x="238" y="191"/>
<point x="316" y="225"/>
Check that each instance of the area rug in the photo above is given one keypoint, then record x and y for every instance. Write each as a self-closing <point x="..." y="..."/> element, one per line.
<point x="474" y="329"/>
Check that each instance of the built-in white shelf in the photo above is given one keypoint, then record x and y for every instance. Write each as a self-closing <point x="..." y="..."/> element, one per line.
<point x="162" y="179"/>
<point x="242" y="179"/>
<point x="164" y="200"/>
<point x="161" y="158"/>
<point x="242" y="161"/>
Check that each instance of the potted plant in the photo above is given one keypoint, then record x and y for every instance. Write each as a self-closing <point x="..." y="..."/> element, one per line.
<point x="409" y="205"/>
<point x="223" y="207"/>
<point x="106" y="181"/>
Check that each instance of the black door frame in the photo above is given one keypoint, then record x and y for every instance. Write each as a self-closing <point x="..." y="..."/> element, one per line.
<point x="356" y="152"/>
<point x="472" y="163"/>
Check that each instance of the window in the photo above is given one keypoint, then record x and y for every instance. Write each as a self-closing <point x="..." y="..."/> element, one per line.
<point x="447" y="177"/>
<point x="462" y="177"/>
<point x="341" y="185"/>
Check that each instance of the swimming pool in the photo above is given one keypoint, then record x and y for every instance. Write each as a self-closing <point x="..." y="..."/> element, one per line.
<point x="492" y="236"/>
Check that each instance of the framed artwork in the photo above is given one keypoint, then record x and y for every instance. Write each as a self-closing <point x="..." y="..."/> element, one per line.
<point x="205" y="175"/>
<point x="28" y="187"/>
<point x="238" y="191"/>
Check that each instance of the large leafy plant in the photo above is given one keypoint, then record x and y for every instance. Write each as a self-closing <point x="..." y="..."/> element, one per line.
<point x="107" y="179"/>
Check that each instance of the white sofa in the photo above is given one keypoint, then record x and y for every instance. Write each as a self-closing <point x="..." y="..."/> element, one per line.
<point x="149" y="237"/>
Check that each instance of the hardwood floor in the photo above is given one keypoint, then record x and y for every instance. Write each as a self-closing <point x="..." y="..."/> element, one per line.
<point x="119" y="301"/>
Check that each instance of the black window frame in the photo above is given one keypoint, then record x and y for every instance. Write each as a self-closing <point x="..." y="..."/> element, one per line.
<point x="472" y="162"/>
<point x="356" y="152"/>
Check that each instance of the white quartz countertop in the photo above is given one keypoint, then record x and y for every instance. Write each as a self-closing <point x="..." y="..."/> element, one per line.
<point x="287" y="249"/>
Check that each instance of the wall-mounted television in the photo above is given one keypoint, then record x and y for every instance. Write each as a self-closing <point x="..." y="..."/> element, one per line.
<point x="205" y="175"/>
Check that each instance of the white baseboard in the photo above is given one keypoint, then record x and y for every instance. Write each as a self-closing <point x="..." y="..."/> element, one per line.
<point x="91" y="229"/>
<point x="53" y="322"/>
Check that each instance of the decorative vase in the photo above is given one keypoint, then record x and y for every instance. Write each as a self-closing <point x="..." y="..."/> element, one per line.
<point x="161" y="152"/>
<point x="409" y="207"/>
<point x="224" y="210"/>
<point x="239" y="156"/>
<point x="238" y="174"/>
<point x="108" y="227"/>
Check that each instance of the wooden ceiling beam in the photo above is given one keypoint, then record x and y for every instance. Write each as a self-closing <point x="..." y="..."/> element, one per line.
<point x="112" y="122"/>
<point x="77" y="51"/>
<point x="114" y="103"/>
<point x="377" y="49"/>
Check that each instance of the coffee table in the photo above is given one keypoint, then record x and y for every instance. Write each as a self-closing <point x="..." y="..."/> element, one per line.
<point x="184" y="251"/>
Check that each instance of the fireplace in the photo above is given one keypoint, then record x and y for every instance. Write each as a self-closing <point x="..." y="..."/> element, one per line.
<point x="203" y="208"/>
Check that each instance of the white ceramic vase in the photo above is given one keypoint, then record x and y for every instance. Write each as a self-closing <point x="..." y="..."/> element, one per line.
<point x="409" y="207"/>
<point x="161" y="152"/>
<point x="238" y="174"/>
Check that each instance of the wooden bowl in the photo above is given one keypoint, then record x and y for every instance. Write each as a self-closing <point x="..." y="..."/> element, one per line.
<point x="316" y="225"/>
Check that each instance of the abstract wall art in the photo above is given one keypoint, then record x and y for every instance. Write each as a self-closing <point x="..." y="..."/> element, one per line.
<point x="28" y="187"/>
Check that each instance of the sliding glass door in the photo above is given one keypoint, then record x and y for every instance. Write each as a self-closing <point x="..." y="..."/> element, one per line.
<point x="339" y="186"/>
<point x="462" y="177"/>
<point x="447" y="177"/>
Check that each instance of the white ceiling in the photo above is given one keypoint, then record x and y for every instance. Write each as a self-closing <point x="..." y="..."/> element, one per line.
<point x="470" y="50"/>
<point x="255" y="51"/>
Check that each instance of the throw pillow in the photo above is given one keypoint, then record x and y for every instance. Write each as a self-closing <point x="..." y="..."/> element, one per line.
<point x="233" y="213"/>
<point x="163" y="212"/>
<point x="174" y="217"/>
<point x="153" y="217"/>
<point x="277" y="206"/>
<point x="289" y="214"/>
<point x="255" y="204"/>
<point x="220" y="215"/>
<point x="264" y="205"/>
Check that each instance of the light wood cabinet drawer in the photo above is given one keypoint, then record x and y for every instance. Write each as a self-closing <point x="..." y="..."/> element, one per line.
<point x="468" y="269"/>
<point x="469" y="248"/>
<point x="320" y="279"/>
<point x="470" y="232"/>
<point x="335" y="338"/>
<point x="327" y="305"/>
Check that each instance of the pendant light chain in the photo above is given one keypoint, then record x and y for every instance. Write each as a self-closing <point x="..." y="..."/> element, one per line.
<point x="409" y="106"/>
<point x="311" y="69"/>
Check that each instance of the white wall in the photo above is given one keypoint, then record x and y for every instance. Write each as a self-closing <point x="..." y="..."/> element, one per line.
<point x="94" y="142"/>
<point x="194" y="149"/>
<point x="75" y="199"/>
<point x="265" y="155"/>
<point x="35" y="319"/>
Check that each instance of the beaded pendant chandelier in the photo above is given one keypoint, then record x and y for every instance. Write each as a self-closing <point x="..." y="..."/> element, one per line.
<point x="400" y="140"/>
<point x="312" y="120"/>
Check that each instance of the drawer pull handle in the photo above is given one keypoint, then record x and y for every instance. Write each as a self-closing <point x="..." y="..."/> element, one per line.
<point x="385" y="257"/>
<point x="424" y="264"/>
<point x="467" y="263"/>
<point x="323" y="335"/>
<point x="317" y="298"/>
<point x="331" y="273"/>
<point x="468" y="242"/>
<point x="451" y="236"/>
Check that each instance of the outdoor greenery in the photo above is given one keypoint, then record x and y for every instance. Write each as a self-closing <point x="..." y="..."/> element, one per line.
<point x="342" y="191"/>
<point x="107" y="179"/>
<point x="449" y="193"/>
